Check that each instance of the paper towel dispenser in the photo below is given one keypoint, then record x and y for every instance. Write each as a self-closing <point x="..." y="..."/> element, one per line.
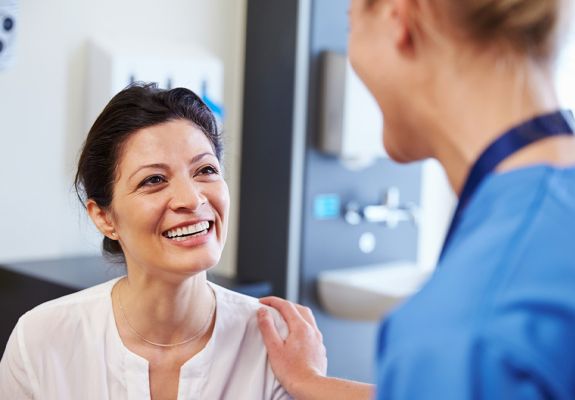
<point x="351" y="123"/>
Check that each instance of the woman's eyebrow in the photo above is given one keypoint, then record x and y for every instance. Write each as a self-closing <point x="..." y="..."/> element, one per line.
<point x="200" y="156"/>
<point x="193" y="160"/>
<point x="155" y="165"/>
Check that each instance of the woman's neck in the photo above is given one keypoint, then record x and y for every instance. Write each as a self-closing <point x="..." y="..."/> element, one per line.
<point x="164" y="311"/>
<point x="473" y="109"/>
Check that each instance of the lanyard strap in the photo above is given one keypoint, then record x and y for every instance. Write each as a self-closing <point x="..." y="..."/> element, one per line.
<point x="541" y="127"/>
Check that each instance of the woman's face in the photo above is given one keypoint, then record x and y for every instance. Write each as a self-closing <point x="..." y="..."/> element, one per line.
<point x="170" y="203"/>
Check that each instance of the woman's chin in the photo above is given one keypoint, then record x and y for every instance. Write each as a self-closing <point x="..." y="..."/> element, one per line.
<point x="191" y="265"/>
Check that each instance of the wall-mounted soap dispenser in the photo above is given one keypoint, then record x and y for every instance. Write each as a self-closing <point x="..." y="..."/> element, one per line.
<point x="350" y="122"/>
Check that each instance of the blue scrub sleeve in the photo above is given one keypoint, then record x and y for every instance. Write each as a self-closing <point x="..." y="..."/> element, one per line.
<point x="459" y="368"/>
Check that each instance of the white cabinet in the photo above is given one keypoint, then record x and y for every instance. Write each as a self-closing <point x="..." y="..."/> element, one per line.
<point x="113" y="65"/>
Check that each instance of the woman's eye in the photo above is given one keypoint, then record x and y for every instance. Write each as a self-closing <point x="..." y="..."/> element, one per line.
<point x="209" y="170"/>
<point x="153" y="180"/>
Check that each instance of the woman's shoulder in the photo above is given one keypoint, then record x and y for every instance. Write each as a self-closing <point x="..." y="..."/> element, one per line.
<point x="242" y="309"/>
<point x="63" y="331"/>
<point x="63" y="311"/>
<point x="236" y="349"/>
<point x="234" y="299"/>
<point x="91" y="294"/>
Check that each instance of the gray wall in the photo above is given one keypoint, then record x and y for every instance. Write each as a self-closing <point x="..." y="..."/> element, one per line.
<point x="267" y="177"/>
<point x="330" y="244"/>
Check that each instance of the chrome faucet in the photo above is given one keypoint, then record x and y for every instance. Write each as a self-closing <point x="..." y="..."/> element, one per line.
<point x="390" y="212"/>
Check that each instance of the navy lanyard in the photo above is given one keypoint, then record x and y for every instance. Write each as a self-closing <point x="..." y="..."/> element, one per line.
<point x="541" y="127"/>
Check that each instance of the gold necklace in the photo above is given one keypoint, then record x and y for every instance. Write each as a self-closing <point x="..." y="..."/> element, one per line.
<point x="200" y="332"/>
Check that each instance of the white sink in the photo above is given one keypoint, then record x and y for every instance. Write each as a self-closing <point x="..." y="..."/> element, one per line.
<point x="368" y="293"/>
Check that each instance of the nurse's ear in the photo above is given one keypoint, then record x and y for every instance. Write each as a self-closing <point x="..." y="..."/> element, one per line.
<point x="102" y="218"/>
<point x="399" y="17"/>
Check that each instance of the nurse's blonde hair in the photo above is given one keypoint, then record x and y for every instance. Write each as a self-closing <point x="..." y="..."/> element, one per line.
<point x="525" y="26"/>
<point x="529" y="27"/>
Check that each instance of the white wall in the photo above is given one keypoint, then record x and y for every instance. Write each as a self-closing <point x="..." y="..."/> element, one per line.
<point x="437" y="205"/>
<point x="566" y="71"/>
<point x="42" y="110"/>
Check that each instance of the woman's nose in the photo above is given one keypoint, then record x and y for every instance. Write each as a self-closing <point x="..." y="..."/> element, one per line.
<point x="187" y="195"/>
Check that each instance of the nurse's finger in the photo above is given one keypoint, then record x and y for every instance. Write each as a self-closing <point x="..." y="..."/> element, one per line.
<point x="307" y="314"/>
<point x="287" y="310"/>
<point x="270" y="335"/>
<point x="304" y="312"/>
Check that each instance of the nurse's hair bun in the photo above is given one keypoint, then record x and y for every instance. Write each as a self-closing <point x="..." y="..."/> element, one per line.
<point x="526" y="26"/>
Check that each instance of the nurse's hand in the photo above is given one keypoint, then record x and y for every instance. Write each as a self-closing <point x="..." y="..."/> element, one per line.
<point x="301" y="357"/>
<point x="299" y="362"/>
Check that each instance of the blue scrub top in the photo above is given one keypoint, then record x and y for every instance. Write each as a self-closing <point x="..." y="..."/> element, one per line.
<point x="497" y="319"/>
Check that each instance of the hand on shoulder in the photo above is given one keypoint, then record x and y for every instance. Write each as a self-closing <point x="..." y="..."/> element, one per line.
<point x="300" y="362"/>
<point x="299" y="358"/>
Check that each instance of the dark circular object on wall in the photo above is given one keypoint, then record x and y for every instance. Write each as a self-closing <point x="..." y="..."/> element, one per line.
<point x="8" y="24"/>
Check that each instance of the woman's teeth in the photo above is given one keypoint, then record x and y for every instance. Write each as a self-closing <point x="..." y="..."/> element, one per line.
<point x="179" y="234"/>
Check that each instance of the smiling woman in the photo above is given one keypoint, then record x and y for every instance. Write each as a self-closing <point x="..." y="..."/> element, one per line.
<point x="151" y="180"/>
<point x="170" y="204"/>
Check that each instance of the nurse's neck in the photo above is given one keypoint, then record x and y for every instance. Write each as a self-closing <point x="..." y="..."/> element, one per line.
<point x="484" y="101"/>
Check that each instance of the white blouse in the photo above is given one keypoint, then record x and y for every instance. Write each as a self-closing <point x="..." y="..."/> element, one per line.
<point x="70" y="348"/>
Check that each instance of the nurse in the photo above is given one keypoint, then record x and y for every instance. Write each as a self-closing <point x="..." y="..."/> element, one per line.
<point x="469" y="83"/>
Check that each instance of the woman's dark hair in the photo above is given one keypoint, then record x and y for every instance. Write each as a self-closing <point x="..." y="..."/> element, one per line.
<point x="139" y="106"/>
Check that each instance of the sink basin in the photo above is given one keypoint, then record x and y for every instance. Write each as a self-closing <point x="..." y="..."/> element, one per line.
<point x="368" y="293"/>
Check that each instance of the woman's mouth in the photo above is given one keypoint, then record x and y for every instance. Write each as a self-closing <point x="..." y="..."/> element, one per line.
<point x="186" y="232"/>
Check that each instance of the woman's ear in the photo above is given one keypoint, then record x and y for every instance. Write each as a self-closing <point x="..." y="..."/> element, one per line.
<point x="102" y="219"/>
